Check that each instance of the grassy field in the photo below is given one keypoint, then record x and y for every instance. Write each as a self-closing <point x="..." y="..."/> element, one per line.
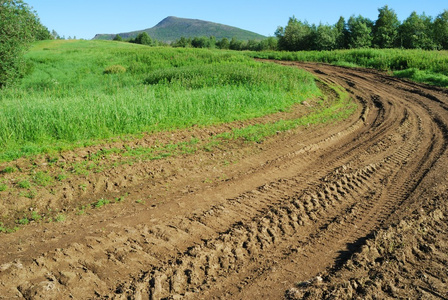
<point x="419" y="65"/>
<point x="77" y="92"/>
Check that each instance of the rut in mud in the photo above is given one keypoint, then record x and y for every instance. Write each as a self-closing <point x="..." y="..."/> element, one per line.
<point x="300" y="204"/>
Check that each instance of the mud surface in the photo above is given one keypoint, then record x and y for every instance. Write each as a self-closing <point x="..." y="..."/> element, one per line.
<point x="357" y="208"/>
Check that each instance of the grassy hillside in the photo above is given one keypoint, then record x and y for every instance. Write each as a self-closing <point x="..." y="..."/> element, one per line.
<point x="172" y="28"/>
<point x="80" y="91"/>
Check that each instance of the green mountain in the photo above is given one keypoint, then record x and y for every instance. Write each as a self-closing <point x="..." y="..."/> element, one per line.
<point x="173" y="28"/>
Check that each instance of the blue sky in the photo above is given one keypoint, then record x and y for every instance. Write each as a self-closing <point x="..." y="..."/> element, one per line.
<point x="85" y="18"/>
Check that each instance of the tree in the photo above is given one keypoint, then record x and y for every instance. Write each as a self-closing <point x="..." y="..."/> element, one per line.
<point x="42" y="33"/>
<point x="267" y="44"/>
<point x="341" y="34"/>
<point x="271" y="43"/>
<point x="417" y="32"/>
<point x="385" y="30"/>
<point x="183" y="42"/>
<point x="143" y="39"/>
<point x="295" y="36"/>
<point x="325" y="38"/>
<point x="223" y="43"/>
<point x="212" y="42"/>
<point x="359" y="31"/>
<point x="253" y="45"/>
<point x="55" y="35"/>
<point x="441" y="30"/>
<point x="236" y="44"/>
<point x="19" y="26"/>
<point x="118" y="38"/>
<point x="204" y="42"/>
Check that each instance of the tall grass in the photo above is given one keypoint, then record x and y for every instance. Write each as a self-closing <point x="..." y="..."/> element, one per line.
<point x="72" y="95"/>
<point x="420" y="65"/>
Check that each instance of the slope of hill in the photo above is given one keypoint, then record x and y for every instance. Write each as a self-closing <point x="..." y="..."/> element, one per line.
<point x="173" y="28"/>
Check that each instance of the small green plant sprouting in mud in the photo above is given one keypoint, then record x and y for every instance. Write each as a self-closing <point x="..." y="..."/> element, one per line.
<point x="82" y="210"/>
<point x="42" y="179"/>
<point x="30" y="194"/>
<point x="60" y="218"/>
<point x="8" y="170"/>
<point x="24" y="184"/>
<point x="23" y="221"/>
<point x="4" y="229"/>
<point x="35" y="216"/>
<point x="119" y="199"/>
<point x="101" y="203"/>
<point x="62" y="177"/>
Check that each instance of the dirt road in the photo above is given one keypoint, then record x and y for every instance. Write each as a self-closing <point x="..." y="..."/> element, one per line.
<point x="249" y="221"/>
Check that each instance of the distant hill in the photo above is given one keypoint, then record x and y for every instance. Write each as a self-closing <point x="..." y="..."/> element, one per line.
<point x="173" y="28"/>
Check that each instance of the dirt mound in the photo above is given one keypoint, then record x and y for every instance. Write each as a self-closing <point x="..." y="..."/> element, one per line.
<point x="354" y="207"/>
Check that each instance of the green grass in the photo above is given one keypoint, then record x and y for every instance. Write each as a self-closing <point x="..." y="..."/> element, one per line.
<point x="100" y="203"/>
<point x="60" y="218"/>
<point x="35" y="216"/>
<point x="23" y="221"/>
<point x="326" y="113"/>
<point x="8" y="170"/>
<point x="42" y="179"/>
<point x="76" y="93"/>
<point x="425" y="76"/>
<point x="24" y="184"/>
<point x="419" y="65"/>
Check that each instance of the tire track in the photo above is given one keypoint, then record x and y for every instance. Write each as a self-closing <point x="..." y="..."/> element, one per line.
<point x="281" y="223"/>
<point x="422" y="146"/>
<point x="292" y="213"/>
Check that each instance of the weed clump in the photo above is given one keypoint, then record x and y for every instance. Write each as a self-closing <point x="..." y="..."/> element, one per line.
<point x="115" y="69"/>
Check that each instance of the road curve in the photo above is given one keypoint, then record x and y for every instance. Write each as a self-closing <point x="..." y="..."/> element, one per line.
<point x="300" y="205"/>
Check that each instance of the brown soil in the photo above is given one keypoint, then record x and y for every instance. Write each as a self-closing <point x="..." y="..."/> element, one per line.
<point x="352" y="209"/>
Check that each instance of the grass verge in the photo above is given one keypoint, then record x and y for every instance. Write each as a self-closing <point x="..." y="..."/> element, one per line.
<point x="419" y="65"/>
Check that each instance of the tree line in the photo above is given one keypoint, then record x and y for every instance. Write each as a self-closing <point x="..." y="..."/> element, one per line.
<point x="205" y="42"/>
<point x="416" y="32"/>
<point x="224" y="43"/>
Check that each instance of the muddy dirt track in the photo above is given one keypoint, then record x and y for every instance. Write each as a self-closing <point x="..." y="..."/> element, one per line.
<point x="252" y="221"/>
